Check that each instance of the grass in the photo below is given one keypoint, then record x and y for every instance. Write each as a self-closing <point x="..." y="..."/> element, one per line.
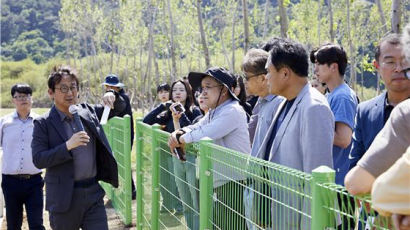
<point x="39" y="111"/>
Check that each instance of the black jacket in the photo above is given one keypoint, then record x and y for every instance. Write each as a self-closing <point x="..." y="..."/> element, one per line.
<point x="162" y="115"/>
<point x="49" y="151"/>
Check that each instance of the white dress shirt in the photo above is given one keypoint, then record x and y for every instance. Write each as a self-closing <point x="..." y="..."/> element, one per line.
<point x="15" y="140"/>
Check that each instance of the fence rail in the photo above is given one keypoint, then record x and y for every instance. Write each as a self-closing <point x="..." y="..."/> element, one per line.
<point x="218" y="188"/>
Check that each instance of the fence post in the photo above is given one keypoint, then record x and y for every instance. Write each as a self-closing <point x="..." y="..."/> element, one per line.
<point x="127" y="166"/>
<point x="320" y="216"/>
<point x="155" y="178"/>
<point x="205" y="184"/>
<point x="140" y="192"/>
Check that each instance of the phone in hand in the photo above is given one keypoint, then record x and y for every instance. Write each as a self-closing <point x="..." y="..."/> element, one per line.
<point x="178" y="108"/>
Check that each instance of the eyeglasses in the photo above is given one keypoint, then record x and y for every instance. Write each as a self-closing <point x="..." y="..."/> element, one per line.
<point x="207" y="88"/>
<point x="393" y="64"/>
<point x="407" y="73"/>
<point x="22" y="98"/>
<point x="64" y="89"/>
<point x="251" y="76"/>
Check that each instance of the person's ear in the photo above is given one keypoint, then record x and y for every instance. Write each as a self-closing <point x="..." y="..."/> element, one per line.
<point x="285" y="73"/>
<point x="51" y="94"/>
<point x="334" y="66"/>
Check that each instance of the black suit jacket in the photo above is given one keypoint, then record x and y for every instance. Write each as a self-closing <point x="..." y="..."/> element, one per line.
<point x="49" y="151"/>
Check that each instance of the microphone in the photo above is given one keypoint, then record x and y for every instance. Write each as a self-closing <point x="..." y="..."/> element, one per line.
<point x="74" y="111"/>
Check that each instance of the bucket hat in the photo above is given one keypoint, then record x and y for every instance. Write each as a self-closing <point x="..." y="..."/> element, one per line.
<point x="220" y="74"/>
<point x="113" y="80"/>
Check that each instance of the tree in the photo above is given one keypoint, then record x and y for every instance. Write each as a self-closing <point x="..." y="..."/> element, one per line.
<point x="396" y="16"/>
<point x="202" y="32"/>
<point x="331" y="33"/>
<point x="382" y="17"/>
<point x="245" y="25"/>
<point x="283" y="19"/>
<point x="172" y="45"/>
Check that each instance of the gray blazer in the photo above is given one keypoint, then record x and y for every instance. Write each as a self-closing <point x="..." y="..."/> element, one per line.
<point x="304" y="141"/>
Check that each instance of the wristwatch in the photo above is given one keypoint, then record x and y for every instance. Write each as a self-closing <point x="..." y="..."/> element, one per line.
<point x="178" y="135"/>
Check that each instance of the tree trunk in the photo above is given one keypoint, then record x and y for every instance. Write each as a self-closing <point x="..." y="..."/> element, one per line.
<point x="331" y="32"/>
<point x="233" y="37"/>
<point x="266" y="17"/>
<point x="395" y="16"/>
<point x="224" y="51"/>
<point x="173" y="59"/>
<point x="319" y="16"/>
<point x="202" y="32"/>
<point x="245" y="24"/>
<point x="351" y="48"/>
<point x="382" y="17"/>
<point x="283" y="19"/>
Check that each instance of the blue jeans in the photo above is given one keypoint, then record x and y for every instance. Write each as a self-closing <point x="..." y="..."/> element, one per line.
<point x="18" y="192"/>
<point x="187" y="184"/>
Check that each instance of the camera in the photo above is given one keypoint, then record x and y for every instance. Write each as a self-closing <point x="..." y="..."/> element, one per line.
<point x="179" y="108"/>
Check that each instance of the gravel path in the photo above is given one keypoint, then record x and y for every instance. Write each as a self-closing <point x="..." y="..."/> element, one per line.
<point x="114" y="221"/>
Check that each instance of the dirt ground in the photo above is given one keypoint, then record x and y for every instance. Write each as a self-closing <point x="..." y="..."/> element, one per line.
<point x="114" y="221"/>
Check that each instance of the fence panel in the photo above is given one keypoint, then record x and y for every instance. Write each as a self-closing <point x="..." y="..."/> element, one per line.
<point x="237" y="191"/>
<point x="119" y="134"/>
<point x="351" y="212"/>
<point x="144" y="171"/>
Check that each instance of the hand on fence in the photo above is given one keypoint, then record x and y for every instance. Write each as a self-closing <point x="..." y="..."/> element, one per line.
<point x="77" y="139"/>
<point x="173" y="141"/>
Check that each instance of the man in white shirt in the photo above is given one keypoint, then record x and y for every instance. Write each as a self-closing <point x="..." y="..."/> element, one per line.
<point x="22" y="183"/>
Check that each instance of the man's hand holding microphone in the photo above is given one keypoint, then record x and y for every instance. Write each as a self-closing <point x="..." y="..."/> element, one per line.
<point x="81" y="137"/>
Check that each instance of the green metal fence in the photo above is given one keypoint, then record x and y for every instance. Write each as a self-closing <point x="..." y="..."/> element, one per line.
<point x="237" y="191"/>
<point x="118" y="134"/>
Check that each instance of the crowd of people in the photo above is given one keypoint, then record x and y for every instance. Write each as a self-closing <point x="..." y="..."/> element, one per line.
<point x="295" y="122"/>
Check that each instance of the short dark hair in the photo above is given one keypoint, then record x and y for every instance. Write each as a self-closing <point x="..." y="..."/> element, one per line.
<point x="255" y="61"/>
<point x="163" y="86"/>
<point x="267" y="46"/>
<point x="21" y="88"/>
<point x="189" y="98"/>
<point x="330" y="53"/>
<point x="57" y="74"/>
<point x="392" y="39"/>
<point x="291" y="54"/>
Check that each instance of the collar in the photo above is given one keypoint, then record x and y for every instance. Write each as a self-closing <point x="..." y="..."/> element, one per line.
<point x="31" y="115"/>
<point x="269" y="97"/>
<point x="225" y="103"/>
<point x="219" y="107"/>
<point x="62" y="115"/>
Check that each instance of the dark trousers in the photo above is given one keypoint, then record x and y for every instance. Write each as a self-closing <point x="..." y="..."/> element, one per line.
<point x="86" y="211"/>
<point x="18" y="192"/>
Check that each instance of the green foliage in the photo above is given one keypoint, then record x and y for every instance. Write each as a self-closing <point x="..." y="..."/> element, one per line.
<point x="29" y="29"/>
<point x="107" y="36"/>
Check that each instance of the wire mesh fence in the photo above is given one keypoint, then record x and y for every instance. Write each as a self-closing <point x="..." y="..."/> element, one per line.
<point x="218" y="188"/>
<point x="118" y="135"/>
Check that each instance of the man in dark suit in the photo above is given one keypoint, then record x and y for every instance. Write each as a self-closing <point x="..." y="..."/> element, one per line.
<point x="373" y="114"/>
<point x="75" y="160"/>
